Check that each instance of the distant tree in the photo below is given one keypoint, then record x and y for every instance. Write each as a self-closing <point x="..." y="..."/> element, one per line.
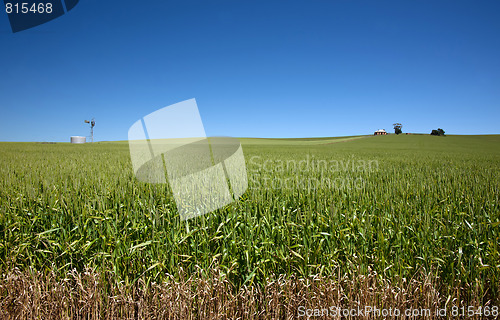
<point x="438" y="132"/>
<point x="397" y="128"/>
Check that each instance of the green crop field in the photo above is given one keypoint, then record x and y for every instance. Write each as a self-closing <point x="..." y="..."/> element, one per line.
<point x="396" y="207"/>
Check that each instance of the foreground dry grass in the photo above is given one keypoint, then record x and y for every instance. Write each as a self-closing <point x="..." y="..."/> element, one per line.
<point x="31" y="295"/>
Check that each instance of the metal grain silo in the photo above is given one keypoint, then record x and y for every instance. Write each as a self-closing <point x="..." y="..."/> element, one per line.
<point x="78" y="139"/>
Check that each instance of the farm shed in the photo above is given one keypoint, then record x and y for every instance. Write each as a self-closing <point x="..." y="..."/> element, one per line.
<point x="380" y="132"/>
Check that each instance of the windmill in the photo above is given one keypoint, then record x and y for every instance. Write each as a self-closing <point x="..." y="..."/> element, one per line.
<point x="92" y="124"/>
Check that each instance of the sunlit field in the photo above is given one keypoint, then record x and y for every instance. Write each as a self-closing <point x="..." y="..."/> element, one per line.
<point x="408" y="220"/>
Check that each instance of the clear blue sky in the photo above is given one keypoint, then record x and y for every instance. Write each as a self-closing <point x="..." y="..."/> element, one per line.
<point x="256" y="68"/>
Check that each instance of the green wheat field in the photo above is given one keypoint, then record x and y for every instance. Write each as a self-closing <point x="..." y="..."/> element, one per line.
<point x="393" y="208"/>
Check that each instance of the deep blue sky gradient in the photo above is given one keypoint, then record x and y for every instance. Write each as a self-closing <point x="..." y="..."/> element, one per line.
<point x="256" y="68"/>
